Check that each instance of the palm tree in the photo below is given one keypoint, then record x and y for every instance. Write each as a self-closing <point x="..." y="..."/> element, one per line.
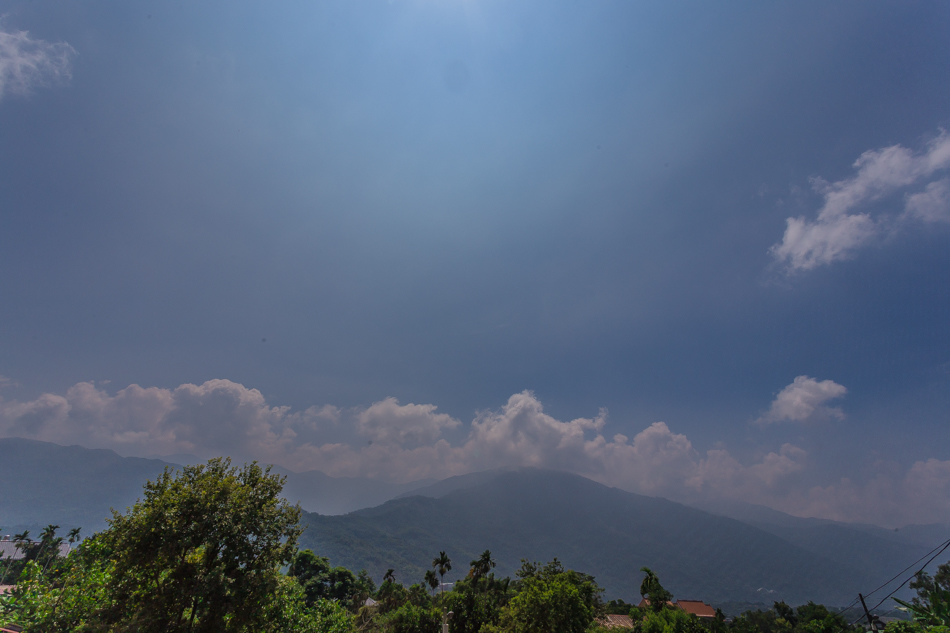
<point x="18" y="540"/>
<point x="389" y="576"/>
<point x="482" y="566"/>
<point x="21" y="538"/>
<point x="442" y="564"/>
<point x="73" y="536"/>
<point x="52" y="556"/>
<point x="47" y="539"/>
<point x="431" y="579"/>
<point x="653" y="591"/>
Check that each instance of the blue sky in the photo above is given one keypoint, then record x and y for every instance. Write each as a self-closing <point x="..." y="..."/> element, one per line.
<point x="270" y="230"/>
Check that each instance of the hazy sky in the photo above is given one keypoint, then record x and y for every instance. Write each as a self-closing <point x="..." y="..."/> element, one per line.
<point x="687" y="249"/>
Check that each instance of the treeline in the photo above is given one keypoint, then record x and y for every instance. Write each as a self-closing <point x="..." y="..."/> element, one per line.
<point x="212" y="548"/>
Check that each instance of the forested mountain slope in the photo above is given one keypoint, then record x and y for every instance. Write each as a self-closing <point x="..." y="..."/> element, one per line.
<point x="603" y="531"/>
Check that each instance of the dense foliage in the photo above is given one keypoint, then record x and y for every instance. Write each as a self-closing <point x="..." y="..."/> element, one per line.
<point x="931" y="607"/>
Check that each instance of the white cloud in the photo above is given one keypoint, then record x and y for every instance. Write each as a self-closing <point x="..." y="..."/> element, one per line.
<point x="27" y="63"/>
<point x="842" y="227"/>
<point x="391" y="423"/>
<point x="894" y="497"/>
<point x="804" y="400"/>
<point x="930" y="205"/>
<point x="521" y="434"/>
<point x="220" y="417"/>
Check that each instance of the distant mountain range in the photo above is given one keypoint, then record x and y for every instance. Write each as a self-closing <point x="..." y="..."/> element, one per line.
<point x="70" y="486"/>
<point x="724" y="553"/>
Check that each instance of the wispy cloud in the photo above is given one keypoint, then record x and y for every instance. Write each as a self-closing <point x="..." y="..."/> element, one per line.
<point x="27" y="63"/>
<point x="930" y="205"/>
<point x="804" y="400"/>
<point x="404" y="442"/>
<point x="844" y="224"/>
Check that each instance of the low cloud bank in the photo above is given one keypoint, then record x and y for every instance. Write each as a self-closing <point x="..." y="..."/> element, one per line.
<point x="845" y="222"/>
<point x="404" y="442"/>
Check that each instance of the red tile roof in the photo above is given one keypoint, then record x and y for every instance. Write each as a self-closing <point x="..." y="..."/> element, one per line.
<point x="697" y="607"/>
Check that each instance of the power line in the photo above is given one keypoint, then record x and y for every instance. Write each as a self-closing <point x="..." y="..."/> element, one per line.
<point x="945" y="546"/>
<point x="939" y="550"/>
<point x="941" y="547"/>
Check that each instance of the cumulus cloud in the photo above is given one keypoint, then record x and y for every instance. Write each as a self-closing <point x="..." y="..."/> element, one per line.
<point x="844" y="224"/>
<point x="804" y="400"/>
<point x="391" y="423"/>
<point x="404" y="442"/>
<point x="27" y="63"/>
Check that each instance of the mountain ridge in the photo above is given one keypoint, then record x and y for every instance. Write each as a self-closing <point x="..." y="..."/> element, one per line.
<point x="538" y="515"/>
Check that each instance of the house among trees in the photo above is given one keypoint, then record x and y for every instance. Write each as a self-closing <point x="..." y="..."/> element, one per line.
<point x="17" y="550"/>
<point x="616" y="621"/>
<point x="694" y="607"/>
<point x="697" y="607"/>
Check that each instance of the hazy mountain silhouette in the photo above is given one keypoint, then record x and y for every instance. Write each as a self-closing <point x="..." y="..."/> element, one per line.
<point x="72" y="486"/>
<point x="318" y="492"/>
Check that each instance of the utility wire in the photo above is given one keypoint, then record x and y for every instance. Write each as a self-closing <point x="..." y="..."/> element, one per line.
<point x="943" y="546"/>
<point x="895" y="577"/>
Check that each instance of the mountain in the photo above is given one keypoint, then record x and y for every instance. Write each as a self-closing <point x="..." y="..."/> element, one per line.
<point x="878" y="551"/>
<point x="609" y="533"/>
<point x="72" y="486"/>
<point x="318" y="492"/>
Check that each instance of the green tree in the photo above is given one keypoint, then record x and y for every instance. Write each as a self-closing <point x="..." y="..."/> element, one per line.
<point x="669" y="620"/>
<point x="618" y="606"/>
<point x="652" y="591"/>
<point x="931" y="606"/>
<point x="391" y="595"/>
<point x="442" y="564"/>
<point x="410" y="618"/>
<point x="288" y="612"/>
<point x="550" y="599"/>
<point x="201" y="552"/>
<point x="756" y="621"/>
<point x="66" y="601"/>
<point x="817" y="618"/>
<point x="482" y="566"/>
<point x="431" y="579"/>
<point x="320" y="581"/>
<point x="781" y="618"/>
<point x="476" y="603"/>
<point x="18" y="542"/>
